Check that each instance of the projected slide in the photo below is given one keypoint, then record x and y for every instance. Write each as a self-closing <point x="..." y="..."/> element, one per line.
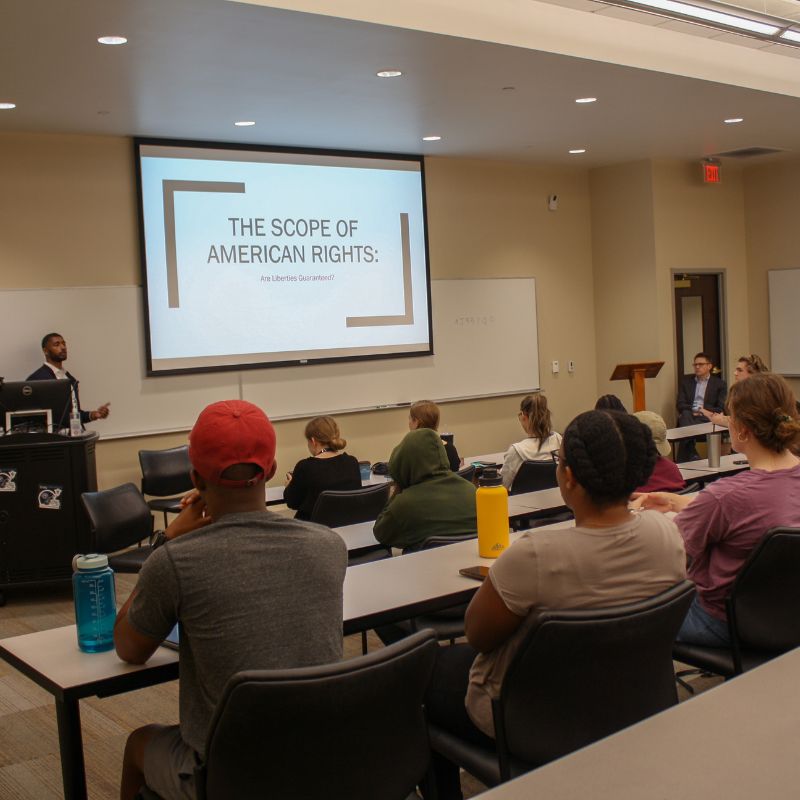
<point x="258" y="257"/>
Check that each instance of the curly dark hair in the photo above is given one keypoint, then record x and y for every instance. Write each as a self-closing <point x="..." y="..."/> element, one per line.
<point x="610" y="454"/>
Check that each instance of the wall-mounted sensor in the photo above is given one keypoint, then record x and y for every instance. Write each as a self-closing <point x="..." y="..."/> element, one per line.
<point x="552" y="202"/>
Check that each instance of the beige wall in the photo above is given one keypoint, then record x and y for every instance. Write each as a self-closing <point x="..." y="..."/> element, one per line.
<point x="603" y="264"/>
<point x="772" y="211"/>
<point x="623" y="247"/>
<point x="649" y="220"/>
<point x="68" y="217"/>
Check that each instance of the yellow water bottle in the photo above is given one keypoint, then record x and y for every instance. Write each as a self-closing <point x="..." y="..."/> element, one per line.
<point x="491" y="501"/>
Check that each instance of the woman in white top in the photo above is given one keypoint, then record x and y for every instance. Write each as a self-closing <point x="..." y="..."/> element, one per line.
<point x="541" y="441"/>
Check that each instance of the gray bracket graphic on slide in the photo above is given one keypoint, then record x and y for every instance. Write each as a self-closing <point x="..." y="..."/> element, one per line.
<point x="406" y="318"/>
<point x="169" y="188"/>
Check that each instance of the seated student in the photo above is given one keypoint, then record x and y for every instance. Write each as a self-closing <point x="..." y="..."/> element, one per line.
<point x="666" y="476"/>
<point x="723" y="523"/>
<point x="541" y="441"/>
<point x="612" y="556"/>
<point x="745" y="367"/>
<point x="429" y="500"/>
<point x="425" y="414"/>
<point x="251" y="589"/>
<point x="329" y="467"/>
<point x="609" y="402"/>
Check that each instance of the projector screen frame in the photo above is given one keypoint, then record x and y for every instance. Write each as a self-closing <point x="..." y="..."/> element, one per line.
<point x="140" y="141"/>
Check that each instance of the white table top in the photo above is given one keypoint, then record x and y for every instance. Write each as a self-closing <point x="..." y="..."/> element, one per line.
<point x="369" y="589"/>
<point x="487" y="458"/>
<point x="687" y="431"/>
<point x="54" y="654"/>
<point x="737" y="741"/>
<point x="357" y="536"/>
<point x="726" y="464"/>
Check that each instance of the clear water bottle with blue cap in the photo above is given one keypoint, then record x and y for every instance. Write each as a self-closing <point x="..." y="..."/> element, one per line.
<point x="95" y="602"/>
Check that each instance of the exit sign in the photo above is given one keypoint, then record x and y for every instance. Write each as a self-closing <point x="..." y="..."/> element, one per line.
<point x="711" y="172"/>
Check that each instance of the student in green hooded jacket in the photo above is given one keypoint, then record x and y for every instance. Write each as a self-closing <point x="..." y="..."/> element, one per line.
<point x="429" y="499"/>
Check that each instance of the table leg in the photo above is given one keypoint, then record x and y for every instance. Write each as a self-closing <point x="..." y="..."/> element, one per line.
<point x="70" y="742"/>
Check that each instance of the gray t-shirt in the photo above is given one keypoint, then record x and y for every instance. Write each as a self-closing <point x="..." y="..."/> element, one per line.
<point x="251" y="591"/>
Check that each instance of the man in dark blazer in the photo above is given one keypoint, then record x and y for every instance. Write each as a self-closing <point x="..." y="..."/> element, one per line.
<point x="696" y="392"/>
<point x="55" y="354"/>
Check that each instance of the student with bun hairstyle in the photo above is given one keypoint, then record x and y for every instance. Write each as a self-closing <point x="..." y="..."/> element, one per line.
<point x="425" y="414"/>
<point x="541" y="441"/>
<point x="612" y="556"/>
<point x="329" y="467"/>
<point x="723" y="523"/>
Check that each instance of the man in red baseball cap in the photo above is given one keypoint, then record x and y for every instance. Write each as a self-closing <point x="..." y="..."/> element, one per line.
<point x="250" y="588"/>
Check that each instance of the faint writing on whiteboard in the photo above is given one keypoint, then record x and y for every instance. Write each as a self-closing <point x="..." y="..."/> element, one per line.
<point x="482" y="321"/>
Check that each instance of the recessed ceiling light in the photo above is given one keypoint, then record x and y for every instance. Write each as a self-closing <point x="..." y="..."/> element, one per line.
<point x="389" y="73"/>
<point x="734" y="120"/>
<point x="244" y="123"/>
<point x="431" y="138"/>
<point x="586" y="100"/>
<point x="7" y="106"/>
<point x="792" y="36"/>
<point x="575" y="152"/>
<point x="112" y="40"/>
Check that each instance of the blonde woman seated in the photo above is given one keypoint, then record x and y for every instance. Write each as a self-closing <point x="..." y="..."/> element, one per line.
<point x="540" y="442"/>
<point x="425" y="414"/>
<point x="745" y="367"/>
<point x="329" y="467"/>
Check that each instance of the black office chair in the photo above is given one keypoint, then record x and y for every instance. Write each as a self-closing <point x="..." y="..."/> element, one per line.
<point x="355" y="729"/>
<point x="165" y="473"/>
<point x="337" y="508"/>
<point x="447" y="624"/>
<point x="577" y="677"/>
<point x="763" y="610"/>
<point x="468" y="472"/>
<point x="119" y="518"/>
<point x="533" y="476"/>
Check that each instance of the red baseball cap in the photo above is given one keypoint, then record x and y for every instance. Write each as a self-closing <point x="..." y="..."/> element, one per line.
<point x="231" y="432"/>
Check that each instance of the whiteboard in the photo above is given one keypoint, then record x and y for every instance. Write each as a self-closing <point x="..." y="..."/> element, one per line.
<point x="784" y="300"/>
<point x="484" y="337"/>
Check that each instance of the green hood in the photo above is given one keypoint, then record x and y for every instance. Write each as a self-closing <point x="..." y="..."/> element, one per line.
<point x="418" y="457"/>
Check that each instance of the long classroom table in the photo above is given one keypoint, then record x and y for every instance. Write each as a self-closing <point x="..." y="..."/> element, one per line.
<point x="737" y="741"/>
<point x="377" y="593"/>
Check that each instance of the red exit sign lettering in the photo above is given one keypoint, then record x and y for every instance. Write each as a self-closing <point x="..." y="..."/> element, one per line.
<point x="711" y="173"/>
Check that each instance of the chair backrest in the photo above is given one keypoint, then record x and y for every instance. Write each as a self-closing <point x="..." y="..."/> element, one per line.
<point x="165" y="472"/>
<point x="119" y="517"/>
<point x="690" y="488"/>
<point x="468" y="472"/>
<point x="337" y="508"/>
<point x="355" y="729"/>
<point x="533" y="476"/>
<point x="581" y="675"/>
<point x="764" y="604"/>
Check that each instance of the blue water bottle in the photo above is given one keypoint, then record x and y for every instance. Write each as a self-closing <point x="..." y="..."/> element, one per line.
<point x="95" y="602"/>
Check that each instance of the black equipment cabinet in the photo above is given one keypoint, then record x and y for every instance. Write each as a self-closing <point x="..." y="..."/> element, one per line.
<point x="42" y="521"/>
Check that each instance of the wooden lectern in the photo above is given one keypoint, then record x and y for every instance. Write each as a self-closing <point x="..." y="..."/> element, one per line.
<point x="635" y="375"/>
